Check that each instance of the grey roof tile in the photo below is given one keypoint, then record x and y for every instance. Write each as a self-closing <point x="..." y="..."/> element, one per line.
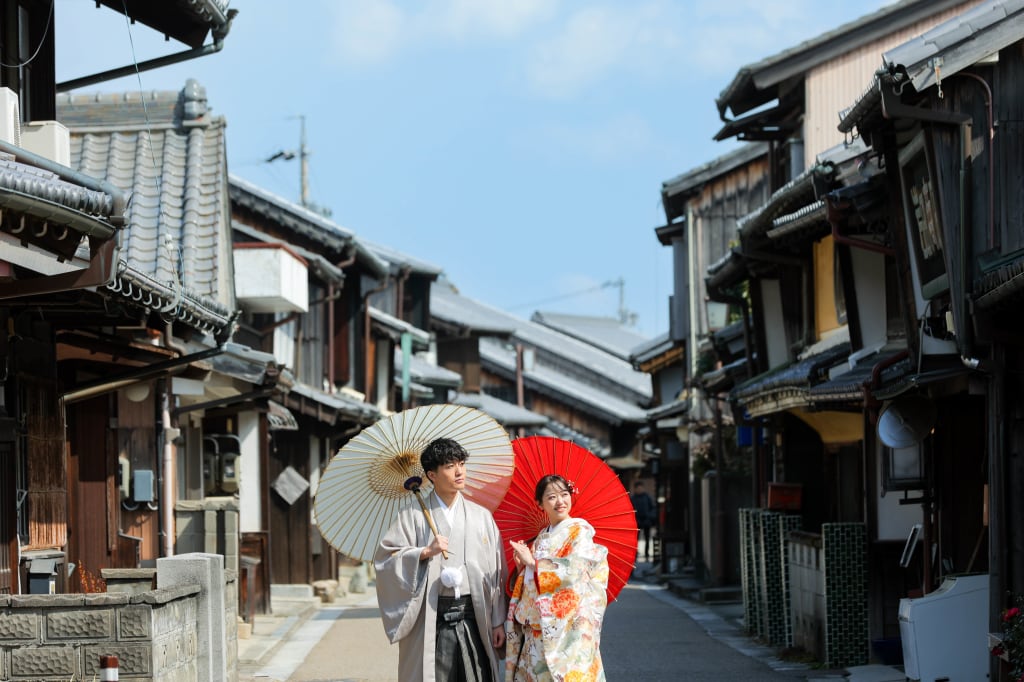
<point x="573" y="357"/>
<point x="606" y="333"/>
<point x="574" y="391"/>
<point x="174" y="170"/>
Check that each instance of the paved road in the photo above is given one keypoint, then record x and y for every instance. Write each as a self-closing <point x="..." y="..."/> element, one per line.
<point x="649" y="635"/>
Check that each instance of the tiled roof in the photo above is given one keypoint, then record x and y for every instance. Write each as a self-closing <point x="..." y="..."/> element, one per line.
<point x="167" y="152"/>
<point x="789" y="386"/>
<point x="504" y="413"/>
<point x="427" y="373"/>
<point x="652" y="348"/>
<point x="589" y="398"/>
<point x="606" y="333"/>
<point x="399" y="260"/>
<point x="960" y="42"/>
<point x="572" y="357"/>
<point x="305" y="222"/>
<point x="339" y="403"/>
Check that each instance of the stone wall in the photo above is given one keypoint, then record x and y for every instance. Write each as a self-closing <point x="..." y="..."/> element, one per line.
<point x="163" y="634"/>
<point x="61" y="637"/>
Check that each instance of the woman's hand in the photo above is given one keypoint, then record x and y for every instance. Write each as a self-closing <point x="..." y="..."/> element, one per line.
<point x="521" y="554"/>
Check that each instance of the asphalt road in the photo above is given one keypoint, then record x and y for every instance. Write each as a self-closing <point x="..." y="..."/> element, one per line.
<point x="649" y="635"/>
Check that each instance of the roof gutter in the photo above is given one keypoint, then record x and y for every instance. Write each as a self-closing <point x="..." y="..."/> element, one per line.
<point x="219" y="33"/>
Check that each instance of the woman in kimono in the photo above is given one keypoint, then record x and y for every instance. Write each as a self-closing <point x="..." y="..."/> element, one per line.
<point x="553" y="630"/>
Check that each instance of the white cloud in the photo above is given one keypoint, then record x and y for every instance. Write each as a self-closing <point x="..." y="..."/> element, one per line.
<point x="604" y="39"/>
<point x="477" y="19"/>
<point x="367" y="31"/>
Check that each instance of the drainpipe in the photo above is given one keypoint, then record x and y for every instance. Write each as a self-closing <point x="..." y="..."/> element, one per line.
<point x="403" y="275"/>
<point x="331" y="370"/>
<point x="367" y="369"/>
<point x="169" y="432"/>
<point x="219" y="33"/>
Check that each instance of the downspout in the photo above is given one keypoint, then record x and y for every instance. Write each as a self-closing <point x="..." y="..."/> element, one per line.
<point x="403" y="275"/>
<point x="367" y="376"/>
<point x="349" y="260"/>
<point x="219" y="33"/>
<point x="167" y="457"/>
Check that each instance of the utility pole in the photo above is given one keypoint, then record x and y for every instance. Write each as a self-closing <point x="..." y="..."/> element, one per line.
<point x="303" y="154"/>
<point x="303" y="163"/>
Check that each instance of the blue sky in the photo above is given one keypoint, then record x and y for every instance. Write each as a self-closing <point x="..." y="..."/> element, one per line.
<point x="518" y="144"/>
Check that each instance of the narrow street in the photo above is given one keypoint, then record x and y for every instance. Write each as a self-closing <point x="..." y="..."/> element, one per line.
<point x="649" y="634"/>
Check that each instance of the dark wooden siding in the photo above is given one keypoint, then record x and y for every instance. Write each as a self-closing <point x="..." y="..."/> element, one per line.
<point x="89" y="494"/>
<point x="290" y="551"/>
<point x="461" y="356"/>
<point x="8" y="520"/>
<point x="44" y="445"/>
<point x="1008" y="92"/>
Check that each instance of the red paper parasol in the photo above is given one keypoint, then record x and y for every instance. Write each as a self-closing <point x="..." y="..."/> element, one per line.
<point x="602" y="501"/>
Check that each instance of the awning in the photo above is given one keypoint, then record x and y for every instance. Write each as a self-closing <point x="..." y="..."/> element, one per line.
<point x="329" y="407"/>
<point x="395" y="327"/>
<point x="280" y="418"/>
<point x="834" y="427"/>
<point x="505" y="413"/>
<point x="626" y="462"/>
<point x="787" y="387"/>
<point x="845" y="385"/>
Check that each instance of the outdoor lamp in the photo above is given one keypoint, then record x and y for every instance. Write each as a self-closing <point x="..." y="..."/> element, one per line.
<point x="903" y="468"/>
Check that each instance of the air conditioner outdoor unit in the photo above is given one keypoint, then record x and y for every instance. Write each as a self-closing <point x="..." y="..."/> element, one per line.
<point x="10" y="117"/>
<point x="49" y="139"/>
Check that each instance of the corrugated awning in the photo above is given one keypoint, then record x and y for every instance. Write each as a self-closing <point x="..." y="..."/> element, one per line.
<point x="280" y="418"/>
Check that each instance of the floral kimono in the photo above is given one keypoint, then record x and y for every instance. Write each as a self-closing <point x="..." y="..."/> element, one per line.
<point x="553" y="630"/>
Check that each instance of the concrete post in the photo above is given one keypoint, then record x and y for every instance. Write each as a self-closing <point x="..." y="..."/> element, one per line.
<point x="207" y="571"/>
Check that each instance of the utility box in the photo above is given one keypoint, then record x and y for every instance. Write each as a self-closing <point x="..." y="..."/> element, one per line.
<point x="142" y="485"/>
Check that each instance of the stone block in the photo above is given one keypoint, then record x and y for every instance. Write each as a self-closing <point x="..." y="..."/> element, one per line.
<point x="46" y="662"/>
<point x="206" y="570"/>
<point x="82" y="624"/>
<point x="135" y="622"/>
<point x="19" y="625"/>
<point x="132" y="659"/>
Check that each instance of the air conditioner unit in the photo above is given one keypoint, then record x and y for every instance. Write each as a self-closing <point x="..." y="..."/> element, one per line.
<point x="10" y="117"/>
<point x="49" y="139"/>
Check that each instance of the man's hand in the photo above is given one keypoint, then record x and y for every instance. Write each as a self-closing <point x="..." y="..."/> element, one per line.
<point x="498" y="636"/>
<point x="438" y="544"/>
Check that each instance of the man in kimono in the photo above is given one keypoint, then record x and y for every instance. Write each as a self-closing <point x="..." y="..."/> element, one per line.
<point x="447" y="614"/>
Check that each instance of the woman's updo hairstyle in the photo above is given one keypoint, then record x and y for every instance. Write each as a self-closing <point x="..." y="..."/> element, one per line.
<point x="562" y="482"/>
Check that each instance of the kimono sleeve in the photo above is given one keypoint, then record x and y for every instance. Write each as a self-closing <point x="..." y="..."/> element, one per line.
<point x="401" y="577"/>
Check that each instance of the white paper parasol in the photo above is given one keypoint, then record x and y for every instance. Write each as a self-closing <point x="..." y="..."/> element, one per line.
<point x="368" y="481"/>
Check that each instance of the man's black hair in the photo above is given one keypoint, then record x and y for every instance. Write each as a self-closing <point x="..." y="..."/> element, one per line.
<point x="442" y="451"/>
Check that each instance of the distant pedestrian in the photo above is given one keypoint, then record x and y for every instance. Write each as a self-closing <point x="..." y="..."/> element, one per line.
<point x="447" y="614"/>
<point x="559" y="598"/>
<point x="646" y="514"/>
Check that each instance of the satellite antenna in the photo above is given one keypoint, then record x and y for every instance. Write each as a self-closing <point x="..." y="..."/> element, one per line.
<point x="905" y="422"/>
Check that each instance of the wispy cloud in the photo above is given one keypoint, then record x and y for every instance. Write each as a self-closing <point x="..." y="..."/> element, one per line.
<point x="597" y="41"/>
<point x="374" y="31"/>
<point x="368" y="31"/>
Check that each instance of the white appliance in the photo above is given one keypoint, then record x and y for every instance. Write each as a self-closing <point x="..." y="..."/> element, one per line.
<point x="945" y="633"/>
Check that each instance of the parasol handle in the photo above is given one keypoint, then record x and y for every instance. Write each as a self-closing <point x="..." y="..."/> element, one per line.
<point x="413" y="484"/>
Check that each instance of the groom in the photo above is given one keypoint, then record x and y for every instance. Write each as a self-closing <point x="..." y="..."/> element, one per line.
<point x="447" y="614"/>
